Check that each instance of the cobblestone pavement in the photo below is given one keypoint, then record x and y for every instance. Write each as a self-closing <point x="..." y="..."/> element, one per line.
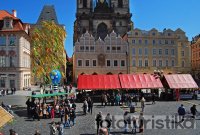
<point x="85" y="125"/>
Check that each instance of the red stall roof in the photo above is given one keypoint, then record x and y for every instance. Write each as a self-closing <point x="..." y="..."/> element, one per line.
<point x="180" y="81"/>
<point x="140" y="81"/>
<point x="95" y="82"/>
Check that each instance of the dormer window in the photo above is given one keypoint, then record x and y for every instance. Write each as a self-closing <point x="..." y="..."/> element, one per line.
<point x="8" y="23"/>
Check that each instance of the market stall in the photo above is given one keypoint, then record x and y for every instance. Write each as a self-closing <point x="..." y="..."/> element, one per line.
<point x="182" y="86"/>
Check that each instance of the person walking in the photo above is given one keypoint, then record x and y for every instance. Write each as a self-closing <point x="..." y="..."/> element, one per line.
<point x="181" y="112"/>
<point x="134" y="131"/>
<point x="98" y="121"/>
<point x="108" y="119"/>
<point x="153" y="98"/>
<point x="193" y="111"/>
<point x="142" y="103"/>
<point x="141" y="123"/>
<point x="85" y="107"/>
<point x="72" y="117"/>
<point x="90" y="105"/>
<point x="67" y="112"/>
<point x="62" y="113"/>
<point x="127" y="121"/>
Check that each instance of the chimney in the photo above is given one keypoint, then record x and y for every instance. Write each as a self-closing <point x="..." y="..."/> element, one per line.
<point x="14" y="12"/>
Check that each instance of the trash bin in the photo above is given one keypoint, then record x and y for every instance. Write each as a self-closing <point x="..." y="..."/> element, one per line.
<point x="132" y="109"/>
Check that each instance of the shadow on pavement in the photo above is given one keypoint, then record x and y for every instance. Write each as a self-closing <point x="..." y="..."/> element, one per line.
<point x="20" y="111"/>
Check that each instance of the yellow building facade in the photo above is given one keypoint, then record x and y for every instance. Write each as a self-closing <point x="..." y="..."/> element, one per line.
<point x="167" y="51"/>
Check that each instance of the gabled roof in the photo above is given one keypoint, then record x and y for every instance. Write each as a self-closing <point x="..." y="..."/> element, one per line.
<point x="4" y="13"/>
<point x="18" y="25"/>
<point x="180" y="30"/>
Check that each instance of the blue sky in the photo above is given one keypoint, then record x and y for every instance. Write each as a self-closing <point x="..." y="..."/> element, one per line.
<point x="147" y="14"/>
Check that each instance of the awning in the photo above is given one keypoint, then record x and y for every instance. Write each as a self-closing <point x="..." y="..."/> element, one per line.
<point x="5" y="117"/>
<point x="140" y="81"/>
<point x="180" y="81"/>
<point x="98" y="82"/>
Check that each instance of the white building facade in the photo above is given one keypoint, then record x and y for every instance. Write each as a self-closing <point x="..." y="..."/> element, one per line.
<point x="14" y="52"/>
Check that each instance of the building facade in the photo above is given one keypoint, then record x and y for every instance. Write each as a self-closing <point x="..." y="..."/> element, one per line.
<point x="195" y="47"/>
<point x="48" y="13"/>
<point x="101" y="17"/>
<point x="14" y="52"/>
<point x="167" y="51"/>
<point x="100" y="57"/>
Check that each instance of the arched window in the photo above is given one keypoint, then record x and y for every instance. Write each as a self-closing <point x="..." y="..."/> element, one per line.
<point x="102" y="30"/>
<point x="82" y="73"/>
<point x="94" y="73"/>
<point x="120" y="3"/>
<point x="109" y="73"/>
<point x="84" y="3"/>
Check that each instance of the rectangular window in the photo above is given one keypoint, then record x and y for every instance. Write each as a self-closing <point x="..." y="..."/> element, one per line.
<point x="140" y="51"/>
<point x="2" y="61"/>
<point x="140" y="63"/>
<point x="166" y="63"/>
<point x="146" y="63"/>
<point x="80" y="64"/>
<point x="133" y="51"/>
<point x="160" y="42"/>
<point x="91" y="48"/>
<point x="140" y="41"/>
<point x="182" y="53"/>
<point x="166" y="52"/>
<point x="134" y="63"/>
<point x="82" y="48"/>
<point x="160" y="63"/>
<point x="172" y="52"/>
<point x="154" y="63"/>
<point x="87" y="48"/>
<point x="115" y="63"/>
<point x="87" y="63"/>
<point x="133" y="41"/>
<point x="108" y="63"/>
<point x="160" y="52"/>
<point x="146" y="51"/>
<point x="154" y="42"/>
<point x="183" y="64"/>
<point x="7" y="24"/>
<point x="2" y="82"/>
<point x="94" y="63"/>
<point x="12" y="40"/>
<point x="108" y="48"/>
<point x="12" y="62"/>
<point x="146" y="42"/>
<point x="172" y="42"/>
<point x="2" y="40"/>
<point x="122" y="63"/>
<point x="12" y="83"/>
<point x="173" y="64"/>
<point x="113" y="48"/>
<point x="166" y="41"/>
<point x="154" y="51"/>
<point x="118" y="48"/>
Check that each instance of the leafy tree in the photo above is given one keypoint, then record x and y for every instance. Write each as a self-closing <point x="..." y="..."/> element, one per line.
<point x="47" y="50"/>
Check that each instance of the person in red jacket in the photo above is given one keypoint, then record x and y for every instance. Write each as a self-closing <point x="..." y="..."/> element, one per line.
<point x="52" y="113"/>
